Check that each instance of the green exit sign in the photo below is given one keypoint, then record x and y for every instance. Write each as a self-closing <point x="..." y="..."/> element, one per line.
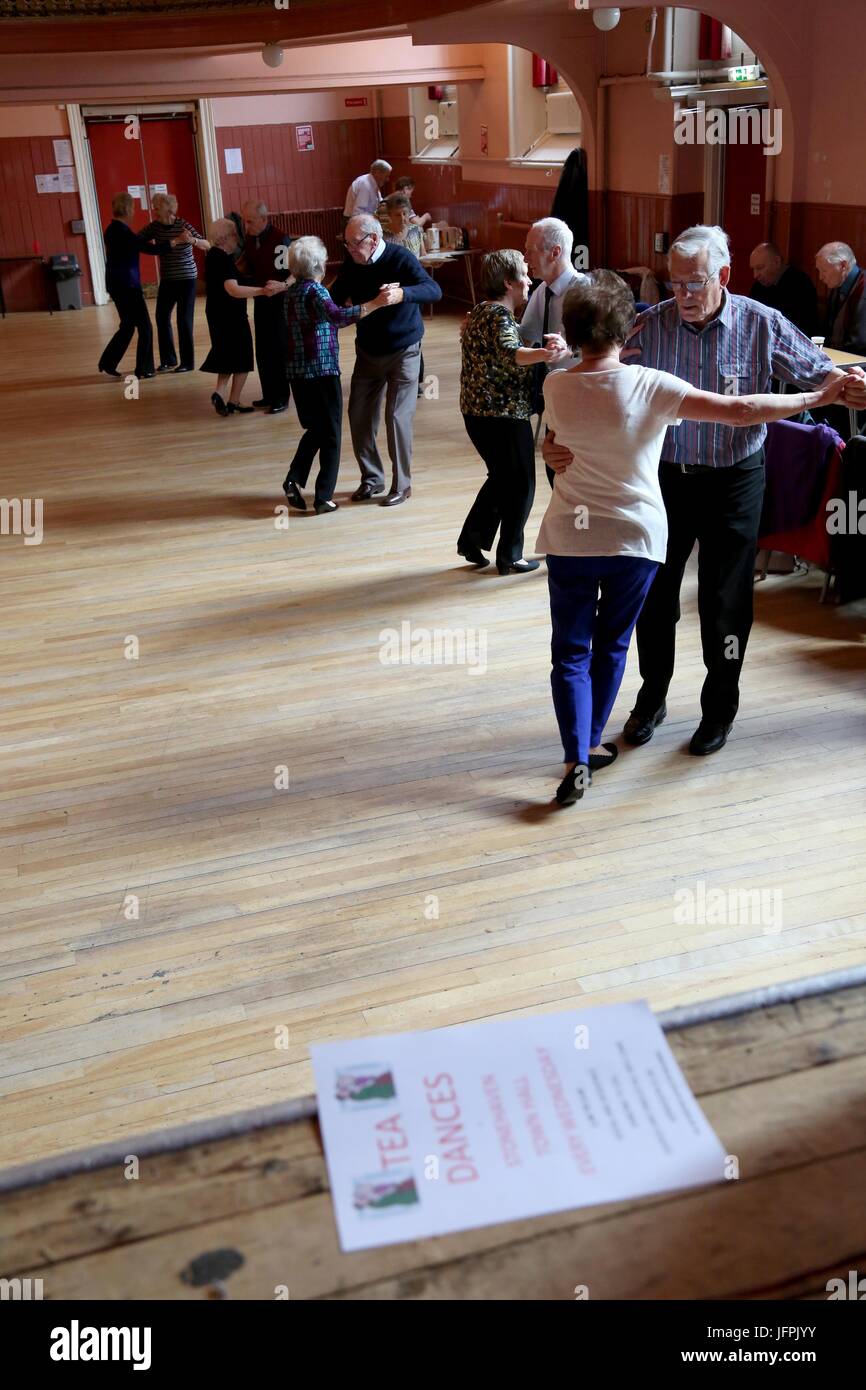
<point x="745" y="74"/>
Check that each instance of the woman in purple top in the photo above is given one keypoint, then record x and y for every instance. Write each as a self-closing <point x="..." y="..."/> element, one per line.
<point x="314" y="370"/>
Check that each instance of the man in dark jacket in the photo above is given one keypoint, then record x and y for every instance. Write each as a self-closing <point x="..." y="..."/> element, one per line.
<point x="123" y="247"/>
<point x="388" y="353"/>
<point x="264" y="262"/>
<point x="783" y="287"/>
<point x="846" y="304"/>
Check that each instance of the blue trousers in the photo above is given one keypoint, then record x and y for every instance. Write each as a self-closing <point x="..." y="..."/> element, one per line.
<point x="594" y="604"/>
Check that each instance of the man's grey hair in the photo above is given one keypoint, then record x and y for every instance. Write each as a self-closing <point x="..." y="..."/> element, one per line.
<point x="838" y="253"/>
<point x="308" y="256"/>
<point x="380" y="164"/>
<point x="365" y="224"/>
<point x="223" y="226"/>
<point x="555" y="232"/>
<point x="260" y="209"/>
<point x="695" y="240"/>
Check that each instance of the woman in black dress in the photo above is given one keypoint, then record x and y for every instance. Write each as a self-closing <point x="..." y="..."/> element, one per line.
<point x="231" y="351"/>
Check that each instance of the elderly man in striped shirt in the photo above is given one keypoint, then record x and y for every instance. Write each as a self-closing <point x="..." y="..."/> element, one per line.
<point x="712" y="476"/>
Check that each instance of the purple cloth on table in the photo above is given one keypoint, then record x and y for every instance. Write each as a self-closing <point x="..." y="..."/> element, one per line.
<point x="797" y="459"/>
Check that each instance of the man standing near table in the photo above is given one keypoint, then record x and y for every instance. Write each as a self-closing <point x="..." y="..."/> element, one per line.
<point x="712" y="476"/>
<point x="387" y="353"/>
<point x="365" y="192"/>
<point x="261" y="246"/>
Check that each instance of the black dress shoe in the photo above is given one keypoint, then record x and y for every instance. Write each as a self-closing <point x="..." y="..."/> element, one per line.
<point x="322" y="508"/>
<point x="574" y="784"/>
<point x="235" y="408"/>
<point x="219" y="404"/>
<point x="145" y="376"/>
<point x="639" y="727"/>
<point x="178" y="370"/>
<point x="165" y="367"/>
<point x="709" y="738"/>
<point x="115" y="376"/>
<point x="599" y="760"/>
<point x="293" y="493"/>
<point x="261" y="404"/>
<point x="365" y="492"/>
<point x="278" y="408"/>
<point x="474" y="555"/>
<point x="395" y="498"/>
<point x="518" y="567"/>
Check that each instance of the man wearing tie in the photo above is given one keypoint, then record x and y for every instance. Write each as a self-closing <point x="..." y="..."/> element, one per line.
<point x="548" y="254"/>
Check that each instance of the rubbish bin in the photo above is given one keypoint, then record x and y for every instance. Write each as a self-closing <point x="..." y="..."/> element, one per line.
<point x="65" y="271"/>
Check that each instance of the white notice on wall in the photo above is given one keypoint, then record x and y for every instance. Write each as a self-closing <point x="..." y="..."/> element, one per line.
<point x="664" y="173"/>
<point x="136" y="190"/>
<point x="234" y="161"/>
<point x="63" y="152"/>
<point x="68" y="179"/>
<point x="47" y="183"/>
<point x="454" y="1128"/>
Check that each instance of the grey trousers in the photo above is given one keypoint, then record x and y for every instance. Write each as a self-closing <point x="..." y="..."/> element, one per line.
<point x="397" y="374"/>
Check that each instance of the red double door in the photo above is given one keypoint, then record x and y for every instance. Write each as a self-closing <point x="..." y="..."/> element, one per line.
<point x="154" y="154"/>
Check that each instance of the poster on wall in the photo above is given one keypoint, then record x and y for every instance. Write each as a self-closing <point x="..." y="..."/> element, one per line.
<point x="62" y="152"/>
<point x="234" y="161"/>
<point x="304" y="137"/>
<point x="484" y="139"/>
<point x="47" y="183"/>
<point x="68" y="179"/>
<point x="454" y="1128"/>
<point x="664" y="173"/>
<point x="136" y="190"/>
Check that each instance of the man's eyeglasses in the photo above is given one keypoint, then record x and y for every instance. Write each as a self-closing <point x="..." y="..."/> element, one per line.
<point x="360" y="241"/>
<point x="689" y="286"/>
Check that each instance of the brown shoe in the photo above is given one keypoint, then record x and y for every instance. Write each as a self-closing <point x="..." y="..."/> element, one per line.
<point x="395" y="498"/>
<point x="365" y="492"/>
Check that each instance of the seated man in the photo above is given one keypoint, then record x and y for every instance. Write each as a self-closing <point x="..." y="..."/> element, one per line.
<point x="846" y="304"/>
<point x="783" y="287"/>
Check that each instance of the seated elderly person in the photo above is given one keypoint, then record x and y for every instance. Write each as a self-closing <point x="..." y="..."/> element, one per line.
<point x="783" y="287"/>
<point x="846" y="305"/>
<point x="406" y="187"/>
<point x="314" y="370"/>
<point x="231" y="352"/>
<point x="400" y="228"/>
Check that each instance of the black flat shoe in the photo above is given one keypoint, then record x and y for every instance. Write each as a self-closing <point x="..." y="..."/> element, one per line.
<point x="219" y="404"/>
<point x="519" y="567"/>
<point x="473" y="555"/>
<point x="709" y="738"/>
<point x="639" y="728"/>
<point x="178" y="370"/>
<point x="278" y="408"/>
<point x="167" y="367"/>
<point x="598" y="760"/>
<point x="145" y="376"/>
<point x="294" y="495"/>
<point x="573" y="785"/>
<point x="115" y="376"/>
<point x="234" y="407"/>
<point x="261" y="405"/>
<point x="322" y="508"/>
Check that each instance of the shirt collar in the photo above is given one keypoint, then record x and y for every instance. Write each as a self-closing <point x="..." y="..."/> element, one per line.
<point x="380" y="251"/>
<point x="562" y="281"/>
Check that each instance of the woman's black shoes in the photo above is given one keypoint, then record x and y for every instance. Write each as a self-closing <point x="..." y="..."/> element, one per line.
<point x="519" y="567"/>
<point x="235" y="408"/>
<point x="294" y="495"/>
<point x="115" y="376"/>
<point x="219" y="404"/>
<point x="599" y="760"/>
<point x="322" y="508"/>
<point x="473" y="555"/>
<point x="573" y="785"/>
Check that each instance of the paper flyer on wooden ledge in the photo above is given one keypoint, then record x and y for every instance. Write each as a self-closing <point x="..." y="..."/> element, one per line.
<point x="432" y="1132"/>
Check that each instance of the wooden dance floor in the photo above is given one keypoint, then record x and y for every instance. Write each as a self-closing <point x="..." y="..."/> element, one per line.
<point x="256" y="832"/>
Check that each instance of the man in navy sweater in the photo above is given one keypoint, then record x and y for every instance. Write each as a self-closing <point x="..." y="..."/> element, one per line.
<point x="388" y="353"/>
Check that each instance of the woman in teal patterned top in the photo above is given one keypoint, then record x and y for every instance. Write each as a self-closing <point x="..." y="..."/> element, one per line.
<point x="495" y="399"/>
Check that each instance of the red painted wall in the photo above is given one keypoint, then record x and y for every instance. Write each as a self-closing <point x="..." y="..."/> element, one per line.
<point x="27" y="216"/>
<point x="283" y="177"/>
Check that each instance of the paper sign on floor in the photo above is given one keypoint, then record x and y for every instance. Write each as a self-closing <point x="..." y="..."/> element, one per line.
<point x="427" y="1133"/>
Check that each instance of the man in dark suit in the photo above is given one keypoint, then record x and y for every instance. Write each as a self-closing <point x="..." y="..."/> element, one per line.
<point x="263" y="263"/>
<point x="123" y="247"/>
<point x="784" y="287"/>
<point x="388" y="353"/>
<point x="846" y="304"/>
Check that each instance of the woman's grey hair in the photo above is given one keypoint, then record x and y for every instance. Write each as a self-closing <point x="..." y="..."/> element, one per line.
<point x="223" y="226"/>
<point x="308" y="256"/>
<point x="367" y="224"/>
<point x="168" y="199"/>
<point x="695" y="240"/>
<point x="554" y="232"/>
